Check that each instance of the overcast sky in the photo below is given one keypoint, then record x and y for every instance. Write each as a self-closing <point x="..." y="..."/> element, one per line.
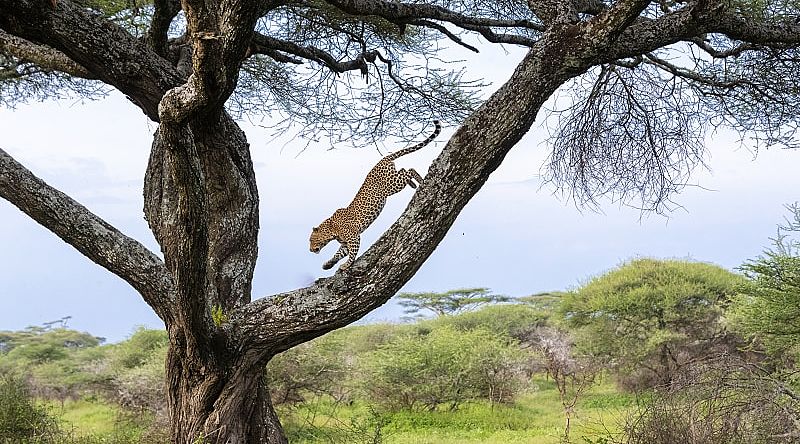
<point x="514" y="237"/>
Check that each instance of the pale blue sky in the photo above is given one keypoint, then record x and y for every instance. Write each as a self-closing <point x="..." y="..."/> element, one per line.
<point x="513" y="237"/>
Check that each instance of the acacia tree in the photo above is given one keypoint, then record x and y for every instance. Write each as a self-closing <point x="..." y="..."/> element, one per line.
<point x="450" y="302"/>
<point x="636" y="130"/>
<point x="654" y="316"/>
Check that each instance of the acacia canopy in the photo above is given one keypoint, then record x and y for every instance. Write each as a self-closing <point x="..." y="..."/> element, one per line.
<point x="649" y="79"/>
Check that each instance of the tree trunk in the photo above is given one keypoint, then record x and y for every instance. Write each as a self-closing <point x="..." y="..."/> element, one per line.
<point x="220" y="400"/>
<point x="202" y="205"/>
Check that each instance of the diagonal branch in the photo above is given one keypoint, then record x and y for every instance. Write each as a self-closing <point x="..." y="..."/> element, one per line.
<point x="43" y="56"/>
<point x="264" y="43"/>
<point x="445" y="31"/>
<point x="723" y="54"/>
<point x="273" y="324"/>
<point x="107" y="51"/>
<point x="88" y="233"/>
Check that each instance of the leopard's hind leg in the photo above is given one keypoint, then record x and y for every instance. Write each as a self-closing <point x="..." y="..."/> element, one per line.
<point x="408" y="177"/>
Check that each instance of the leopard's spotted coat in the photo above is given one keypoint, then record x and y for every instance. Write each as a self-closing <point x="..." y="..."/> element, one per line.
<point x="347" y="224"/>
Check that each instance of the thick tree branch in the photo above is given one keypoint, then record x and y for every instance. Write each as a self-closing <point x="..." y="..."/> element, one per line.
<point x="606" y="26"/>
<point x="402" y="13"/>
<point x="107" y="51"/>
<point x="478" y="147"/>
<point x="742" y="28"/>
<point x="645" y="35"/>
<point x="45" y="57"/>
<point x="89" y="234"/>
<point x="165" y="11"/>
<point x="221" y="35"/>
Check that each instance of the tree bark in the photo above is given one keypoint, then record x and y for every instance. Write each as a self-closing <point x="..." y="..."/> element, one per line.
<point x="202" y="205"/>
<point x="218" y="397"/>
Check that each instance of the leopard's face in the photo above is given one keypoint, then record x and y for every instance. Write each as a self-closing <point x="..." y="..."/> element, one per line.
<point x="320" y="236"/>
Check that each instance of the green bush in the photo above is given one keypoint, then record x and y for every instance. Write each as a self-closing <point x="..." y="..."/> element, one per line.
<point x="443" y="368"/>
<point x="139" y="348"/>
<point x="313" y="368"/>
<point x="21" y="420"/>
<point x="511" y="320"/>
<point x="650" y="317"/>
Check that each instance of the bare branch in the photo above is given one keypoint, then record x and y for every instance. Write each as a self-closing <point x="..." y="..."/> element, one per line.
<point x="89" y="234"/>
<point x="494" y="37"/>
<point x="445" y="31"/>
<point x="722" y="54"/>
<point x="652" y="59"/>
<point x="630" y="134"/>
<point x="265" y="43"/>
<point x="402" y="13"/>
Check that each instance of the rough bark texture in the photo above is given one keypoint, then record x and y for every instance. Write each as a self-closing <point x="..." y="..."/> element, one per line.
<point x="200" y="194"/>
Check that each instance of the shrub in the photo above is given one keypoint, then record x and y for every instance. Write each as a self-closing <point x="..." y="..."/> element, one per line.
<point x="444" y="367"/>
<point x="648" y="318"/>
<point x="719" y="401"/>
<point x="139" y="348"/>
<point x="512" y="320"/>
<point x="21" y="420"/>
<point x="316" y="367"/>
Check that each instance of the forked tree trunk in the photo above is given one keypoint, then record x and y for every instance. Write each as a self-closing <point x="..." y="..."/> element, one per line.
<point x="202" y="205"/>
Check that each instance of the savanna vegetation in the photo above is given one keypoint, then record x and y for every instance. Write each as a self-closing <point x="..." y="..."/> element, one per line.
<point x="652" y="351"/>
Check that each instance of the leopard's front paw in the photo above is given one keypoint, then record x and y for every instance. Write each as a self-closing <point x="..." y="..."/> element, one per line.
<point x="328" y="265"/>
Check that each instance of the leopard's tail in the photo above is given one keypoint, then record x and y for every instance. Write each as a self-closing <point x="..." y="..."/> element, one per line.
<point x="411" y="149"/>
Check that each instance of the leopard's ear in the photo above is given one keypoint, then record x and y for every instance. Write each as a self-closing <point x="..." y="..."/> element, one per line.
<point x="315" y="229"/>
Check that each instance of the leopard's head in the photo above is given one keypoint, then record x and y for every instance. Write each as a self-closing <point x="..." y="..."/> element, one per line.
<point x="320" y="236"/>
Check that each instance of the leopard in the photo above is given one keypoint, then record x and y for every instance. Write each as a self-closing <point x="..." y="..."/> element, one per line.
<point x="347" y="224"/>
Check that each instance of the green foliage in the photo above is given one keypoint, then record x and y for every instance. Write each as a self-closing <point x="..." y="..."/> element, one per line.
<point x="139" y="348"/>
<point x="444" y="367"/>
<point x="534" y="418"/>
<point x="358" y="339"/>
<point x="512" y="320"/>
<point x="449" y="302"/>
<point x="218" y="316"/>
<point x="768" y="310"/>
<point x="648" y="312"/>
<point x="38" y="345"/>
<point x="135" y="370"/>
<point x="21" y="420"/>
<point x="545" y="302"/>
